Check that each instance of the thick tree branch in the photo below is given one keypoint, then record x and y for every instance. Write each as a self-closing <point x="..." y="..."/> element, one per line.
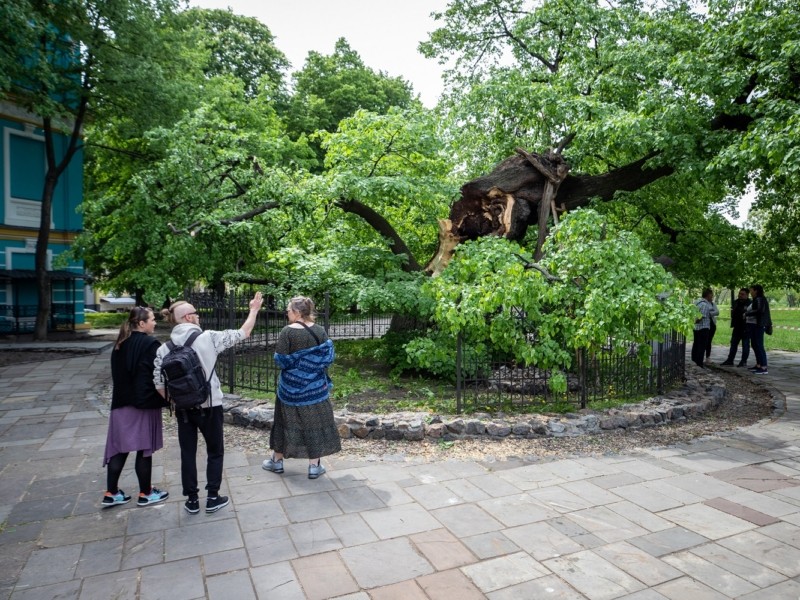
<point x="384" y="228"/>
<point x="194" y="228"/>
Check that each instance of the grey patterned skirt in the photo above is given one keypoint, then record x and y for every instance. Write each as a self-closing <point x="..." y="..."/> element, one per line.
<point x="304" y="431"/>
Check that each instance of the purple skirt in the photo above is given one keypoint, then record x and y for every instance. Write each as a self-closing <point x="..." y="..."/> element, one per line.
<point x="132" y="429"/>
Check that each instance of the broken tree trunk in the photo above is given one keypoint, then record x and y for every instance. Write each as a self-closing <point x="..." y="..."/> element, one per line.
<point x="519" y="192"/>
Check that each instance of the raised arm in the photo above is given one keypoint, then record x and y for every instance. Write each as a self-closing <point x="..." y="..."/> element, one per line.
<point x="250" y="322"/>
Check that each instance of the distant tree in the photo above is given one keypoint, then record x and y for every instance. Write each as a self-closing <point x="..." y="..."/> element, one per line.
<point x="330" y="88"/>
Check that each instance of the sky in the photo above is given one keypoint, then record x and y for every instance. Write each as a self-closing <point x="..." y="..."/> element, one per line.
<point x="385" y="34"/>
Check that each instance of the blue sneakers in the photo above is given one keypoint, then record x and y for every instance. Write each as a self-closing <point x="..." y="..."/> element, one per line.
<point x="154" y="497"/>
<point x="110" y="499"/>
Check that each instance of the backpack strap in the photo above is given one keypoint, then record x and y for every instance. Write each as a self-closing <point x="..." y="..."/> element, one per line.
<point x="311" y="331"/>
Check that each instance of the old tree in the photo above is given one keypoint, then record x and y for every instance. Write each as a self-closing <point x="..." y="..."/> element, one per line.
<point x="669" y="110"/>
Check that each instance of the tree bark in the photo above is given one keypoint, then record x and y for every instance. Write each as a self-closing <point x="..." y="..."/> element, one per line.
<point x="521" y="191"/>
<point x="383" y="227"/>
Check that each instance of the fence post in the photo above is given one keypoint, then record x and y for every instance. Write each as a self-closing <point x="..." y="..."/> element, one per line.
<point x="231" y="351"/>
<point x="459" y="358"/>
<point x="660" y="366"/>
<point x="326" y="314"/>
<point x="582" y="376"/>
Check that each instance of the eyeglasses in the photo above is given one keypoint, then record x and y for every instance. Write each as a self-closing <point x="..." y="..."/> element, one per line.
<point x="191" y="313"/>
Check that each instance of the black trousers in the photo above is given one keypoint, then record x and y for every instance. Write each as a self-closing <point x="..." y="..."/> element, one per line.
<point x="711" y="333"/>
<point x="208" y="422"/>
<point x="699" y="345"/>
<point x="739" y="335"/>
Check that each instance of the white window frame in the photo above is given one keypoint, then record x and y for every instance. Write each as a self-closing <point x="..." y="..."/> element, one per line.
<point x="20" y="211"/>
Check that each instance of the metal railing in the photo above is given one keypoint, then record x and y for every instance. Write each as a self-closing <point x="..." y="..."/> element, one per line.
<point x="21" y="318"/>
<point x="497" y="382"/>
<point x="250" y="365"/>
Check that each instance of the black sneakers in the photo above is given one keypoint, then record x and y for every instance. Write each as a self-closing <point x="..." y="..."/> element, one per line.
<point x="214" y="504"/>
<point x="192" y="506"/>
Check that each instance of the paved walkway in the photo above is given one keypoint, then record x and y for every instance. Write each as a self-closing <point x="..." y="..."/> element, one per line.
<point x="710" y="520"/>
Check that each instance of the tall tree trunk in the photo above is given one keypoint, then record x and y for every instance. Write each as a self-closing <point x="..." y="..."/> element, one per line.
<point x="42" y="240"/>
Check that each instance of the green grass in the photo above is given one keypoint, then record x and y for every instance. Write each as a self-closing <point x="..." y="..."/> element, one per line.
<point x="106" y="320"/>
<point x="781" y="339"/>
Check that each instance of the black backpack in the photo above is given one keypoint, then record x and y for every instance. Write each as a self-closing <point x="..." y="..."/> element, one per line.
<point x="185" y="379"/>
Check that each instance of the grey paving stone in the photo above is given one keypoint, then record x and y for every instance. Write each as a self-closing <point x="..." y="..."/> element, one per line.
<point x="518" y="510"/>
<point x="494" y="485"/>
<point x="649" y="570"/>
<point x="100" y="557"/>
<point x="51" y="565"/>
<point x="490" y="545"/>
<point x="390" y="493"/>
<point x="405" y="519"/>
<point x="766" y="551"/>
<point x="202" y="538"/>
<point x="261" y="515"/>
<point x="121" y="585"/>
<point x="153" y="518"/>
<point x="230" y="585"/>
<point x="324" y="576"/>
<point x="225" y="561"/>
<point x="260" y="492"/>
<point x="466" y="490"/>
<point x="530" y="477"/>
<point x="505" y="571"/>
<point x="608" y="482"/>
<point x="606" y="524"/>
<point x="68" y="590"/>
<point x="357" y="499"/>
<point x="668" y="541"/>
<point x="313" y="537"/>
<point x="653" y="497"/>
<point x="558" y="498"/>
<point x="784" y="532"/>
<point x="176" y="580"/>
<point x="467" y="520"/>
<point x="707" y="521"/>
<point x="298" y="483"/>
<point x="352" y="529"/>
<point x="269" y="546"/>
<point x="751" y="571"/>
<point x="56" y="507"/>
<point x="550" y="587"/>
<point x="47" y="487"/>
<point x="641" y="517"/>
<point x="276" y="582"/>
<point x="433" y="496"/>
<point x="13" y="534"/>
<point x="593" y="576"/>
<point x="384" y="563"/>
<point x="542" y="541"/>
<point x="309" y="507"/>
<point x="715" y="577"/>
<point x="786" y="590"/>
<point x="347" y="478"/>
<point x="143" y="550"/>
<point x="102" y="525"/>
<point x="686" y="587"/>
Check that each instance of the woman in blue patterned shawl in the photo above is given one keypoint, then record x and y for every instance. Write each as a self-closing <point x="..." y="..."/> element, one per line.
<point x="304" y="426"/>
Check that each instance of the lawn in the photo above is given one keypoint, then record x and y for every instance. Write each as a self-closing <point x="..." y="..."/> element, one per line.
<point x="786" y="326"/>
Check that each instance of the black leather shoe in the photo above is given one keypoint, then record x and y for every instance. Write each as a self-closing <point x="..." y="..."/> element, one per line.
<point x="727" y="363"/>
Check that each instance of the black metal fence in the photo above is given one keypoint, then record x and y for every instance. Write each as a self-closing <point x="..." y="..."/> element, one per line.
<point x="483" y="382"/>
<point x="496" y="382"/>
<point x="250" y="366"/>
<point x="21" y="318"/>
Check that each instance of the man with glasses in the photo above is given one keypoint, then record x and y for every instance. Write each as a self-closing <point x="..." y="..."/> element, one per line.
<point x="206" y="420"/>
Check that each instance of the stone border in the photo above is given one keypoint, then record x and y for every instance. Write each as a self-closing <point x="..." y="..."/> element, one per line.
<point x="701" y="392"/>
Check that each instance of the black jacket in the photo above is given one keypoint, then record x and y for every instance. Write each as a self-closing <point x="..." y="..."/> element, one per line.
<point x="737" y="314"/>
<point x="132" y="373"/>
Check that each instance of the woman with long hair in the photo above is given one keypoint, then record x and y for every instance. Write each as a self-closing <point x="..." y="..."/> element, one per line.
<point x="304" y="426"/>
<point x="758" y="318"/>
<point x="135" y="421"/>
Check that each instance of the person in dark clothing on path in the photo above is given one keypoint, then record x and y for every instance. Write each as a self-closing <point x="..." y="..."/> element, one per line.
<point x="758" y="319"/>
<point x="739" y="329"/>
<point x="135" y="421"/>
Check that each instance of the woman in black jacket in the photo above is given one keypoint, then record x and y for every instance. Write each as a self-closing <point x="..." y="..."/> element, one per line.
<point x="758" y="318"/>
<point x="135" y="421"/>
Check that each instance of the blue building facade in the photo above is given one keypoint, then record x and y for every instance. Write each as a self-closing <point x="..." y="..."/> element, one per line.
<point x="22" y="172"/>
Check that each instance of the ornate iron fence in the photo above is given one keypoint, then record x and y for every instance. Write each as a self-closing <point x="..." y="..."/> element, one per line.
<point x="496" y="382"/>
<point x="249" y="365"/>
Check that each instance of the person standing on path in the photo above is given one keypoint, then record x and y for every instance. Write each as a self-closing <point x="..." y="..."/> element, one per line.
<point x="135" y="421"/>
<point x="758" y="319"/>
<point x="304" y="426"/>
<point x="739" y="331"/>
<point x="207" y="420"/>
<point x="712" y="329"/>
<point x="702" y="326"/>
